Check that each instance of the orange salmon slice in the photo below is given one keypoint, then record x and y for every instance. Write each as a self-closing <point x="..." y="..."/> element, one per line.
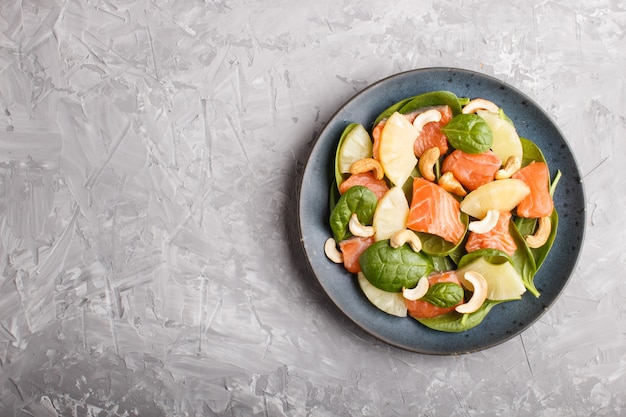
<point x="352" y="249"/>
<point x="431" y="135"/>
<point x="539" y="202"/>
<point x="433" y="210"/>
<point x="366" y="179"/>
<point x="497" y="238"/>
<point x="376" y="132"/>
<point x="472" y="170"/>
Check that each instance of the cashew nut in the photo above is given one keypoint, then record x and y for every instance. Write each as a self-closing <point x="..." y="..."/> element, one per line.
<point x="418" y="292"/>
<point x="479" y="295"/>
<point x="511" y="166"/>
<point x="406" y="236"/>
<point x="428" y="116"/>
<point x="331" y="251"/>
<point x="479" y="104"/>
<point x="427" y="163"/>
<point x="487" y="223"/>
<point x="357" y="229"/>
<point x="541" y="234"/>
<point x="449" y="183"/>
<point x="368" y="164"/>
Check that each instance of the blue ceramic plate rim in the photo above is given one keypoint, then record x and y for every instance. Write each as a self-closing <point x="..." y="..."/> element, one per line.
<point x="505" y="320"/>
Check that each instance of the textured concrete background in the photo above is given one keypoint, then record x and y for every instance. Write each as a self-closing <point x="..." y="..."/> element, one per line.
<point x="148" y="156"/>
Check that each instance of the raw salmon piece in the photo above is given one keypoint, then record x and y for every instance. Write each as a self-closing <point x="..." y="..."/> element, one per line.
<point x="472" y="170"/>
<point x="431" y="135"/>
<point x="352" y="248"/>
<point x="497" y="238"/>
<point x="423" y="309"/>
<point x="366" y="179"/>
<point x="539" y="202"/>
<point x="433" y="210"/>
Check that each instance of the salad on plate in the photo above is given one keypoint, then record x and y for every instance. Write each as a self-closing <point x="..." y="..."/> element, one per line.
<point x="441" y="210"/>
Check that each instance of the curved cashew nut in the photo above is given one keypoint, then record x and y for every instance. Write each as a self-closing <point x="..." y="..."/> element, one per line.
<point x="418" y="292"/>
<point x="479" y="104"/>
<point x="406" y="236"/>
<point x="428" y="116"/>
<point x="487" y="223"/>
<point x="479" y="288"/>
<point x="368" y="164"/>
<point x="427" y="163"/>
<point x="511" y="166"/>
<point x="331" y="251"/>
<point x="449" y="183"/>
<point x="541" y="234"/>
<point x="357" y="229"/>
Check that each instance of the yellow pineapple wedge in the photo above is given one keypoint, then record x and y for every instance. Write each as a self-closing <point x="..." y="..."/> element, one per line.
<point x="501" y="195"/>
<point x="396" y="148"/>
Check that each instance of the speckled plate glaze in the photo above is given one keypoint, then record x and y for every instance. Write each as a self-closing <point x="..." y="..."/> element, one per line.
<point x="505" y="320"/>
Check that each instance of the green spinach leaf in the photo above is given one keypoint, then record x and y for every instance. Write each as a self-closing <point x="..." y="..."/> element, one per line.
<point x="443" y="263"/>
<point x="333" y="196"/>
<point x="523" y="260"/>
<point x="458" y="253"/>
<point x="358" y="199"/>
<point x="391" y="110"/>
<point x="527" y="227"/>
<point x="531" y="152"/>
<point x="468" y="133"/>
<point x="493" y="256"/>
<point x="391" y="269"/>
<point x="431" y="99"/>
<point x="407" y="187"/>
<point x="444" y="294"/>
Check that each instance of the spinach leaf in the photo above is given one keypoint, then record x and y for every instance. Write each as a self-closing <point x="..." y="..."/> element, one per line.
<point x="531" y="152"/>
<point x="391" y="110"/>
<point x="333" y="196"/>
<point x="458" y="253"/>
<point x="407" y="187"/>
<point x="455" y="322"/>
<point x="528" y="226"/>
<point x="468" y="133"/>
<point x="442" y="263"/>
<point x="358" y="199"/>
<point x="554" y="183"/>
<point x="433" y="98"/>
<point x="435" y="245"/>
<point x="541" y="253"/>
<point x="493" y="256"/>
<point x="523" y="260"/>
<point x="391" y="269"/>
<point x="444" y="294"/>
<point x="525" y="226"/>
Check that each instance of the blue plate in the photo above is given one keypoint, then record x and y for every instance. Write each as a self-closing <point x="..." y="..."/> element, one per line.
<point x="505" y="320"/>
